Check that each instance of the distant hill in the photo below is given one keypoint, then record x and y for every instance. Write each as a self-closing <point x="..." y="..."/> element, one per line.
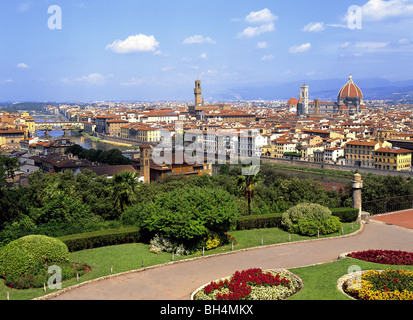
<point x="321" y="89"/>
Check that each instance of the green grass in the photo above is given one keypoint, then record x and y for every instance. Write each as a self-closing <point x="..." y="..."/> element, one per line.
<point x="320" y="281"/>
<point x="130" y="257"/>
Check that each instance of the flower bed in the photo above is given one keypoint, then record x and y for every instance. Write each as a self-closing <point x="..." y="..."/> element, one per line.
<point x="252" y="284"/>
<point x="38" y="275"/>
<point x="391" y="257"/>
<point x="381" y="285"/>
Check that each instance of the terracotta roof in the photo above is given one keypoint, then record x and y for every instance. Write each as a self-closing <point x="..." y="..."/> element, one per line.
<point x="362" y="143"/>
<point x="393" y="150"/>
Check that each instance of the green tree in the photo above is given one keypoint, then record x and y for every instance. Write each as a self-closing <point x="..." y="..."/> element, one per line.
<point x="248" y="182"/>
<point x="124" y="189"/>
<point x="9" y="165"/>
<point x="184" y="215"/>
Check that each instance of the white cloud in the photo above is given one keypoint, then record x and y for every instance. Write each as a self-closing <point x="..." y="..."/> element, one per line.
<point x="92" y="79"/>
<point x="22" y="66"/>
<point x="261" y="16"/>
<point x="301" y="48"/>
<point x="136" y="43"/>
<point x="256" y="31"/>
<point x="268" y="57"/>
<point x="262" y="45"/>
<point x="165" y="69"/>
<point x="314" y="27"/>
<point x="133" y="82"/>
<point x="204" y="56"/>
<point x="198" y="39"/>
<point x="24" y="7"/>
<point x="377" y="10"/>
<point x="364" y="45"/>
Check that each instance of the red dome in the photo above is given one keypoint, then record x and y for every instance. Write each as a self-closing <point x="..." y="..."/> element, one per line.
<point x="292" y="102"/>
<point x="350" y="90"/>
<point x="363" y="107"/>
<point x="343" y="107"/>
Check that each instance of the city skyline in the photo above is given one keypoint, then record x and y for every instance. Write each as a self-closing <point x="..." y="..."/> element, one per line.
<point x="138" y="50"/>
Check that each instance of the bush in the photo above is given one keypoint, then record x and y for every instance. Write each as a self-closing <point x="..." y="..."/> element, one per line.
<point x="185" y="216"/>
<point x="346" y="214"/>
<point x="161" y="244"/>
<point x="259" y="221"/>
<point x="38" y="275"/>
<point x="311" y="227"/>
<point x="26" y="252"/>
<point x="26" y="226"/>
<point x="101" y="238"/>
<point x="310" y="219"/>
<point x="304" y="210"/>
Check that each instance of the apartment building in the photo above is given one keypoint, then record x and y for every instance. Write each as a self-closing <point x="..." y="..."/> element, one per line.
<point x="281" y="146"/>
<point x="361" y="153"/>
<point x="395" y="159"/>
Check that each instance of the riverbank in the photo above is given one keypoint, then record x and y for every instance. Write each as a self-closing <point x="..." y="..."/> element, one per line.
<point x="97" y="139"/>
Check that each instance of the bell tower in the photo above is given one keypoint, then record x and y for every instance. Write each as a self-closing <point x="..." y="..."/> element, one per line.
<point x="145" y="169"/>
<point x="198" y="92"/>
<point x="304" y="98"/>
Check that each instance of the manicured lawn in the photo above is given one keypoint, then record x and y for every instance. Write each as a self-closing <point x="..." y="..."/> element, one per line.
<point x="320" y="281"/>
<point x="130" y="257"/>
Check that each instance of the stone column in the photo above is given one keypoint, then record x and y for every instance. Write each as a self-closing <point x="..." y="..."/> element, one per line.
<point x="357" y="186"/>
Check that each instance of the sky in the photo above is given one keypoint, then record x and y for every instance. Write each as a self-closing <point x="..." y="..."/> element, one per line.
<point x="135" y="50"/>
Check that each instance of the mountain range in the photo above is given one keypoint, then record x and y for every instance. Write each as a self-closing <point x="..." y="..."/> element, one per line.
<point x="372" y="88"/>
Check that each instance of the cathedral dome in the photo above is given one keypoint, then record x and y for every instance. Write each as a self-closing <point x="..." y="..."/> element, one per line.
<point x="343" y="107"/>
<point x="292" y="102"/>
<point x="350" y="90"/>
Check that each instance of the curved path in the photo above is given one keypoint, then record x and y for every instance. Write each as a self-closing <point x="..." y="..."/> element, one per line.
<point x="178" y="280"/>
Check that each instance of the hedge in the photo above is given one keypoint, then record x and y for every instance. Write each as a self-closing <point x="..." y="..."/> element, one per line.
<point x="101" y="238"/>
<point x="345" y="214"/>
<point x="272" y="220"/>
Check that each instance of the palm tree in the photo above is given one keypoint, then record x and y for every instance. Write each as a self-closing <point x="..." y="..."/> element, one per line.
<point x="247" y="182"/>
<point x="124" y="189"/>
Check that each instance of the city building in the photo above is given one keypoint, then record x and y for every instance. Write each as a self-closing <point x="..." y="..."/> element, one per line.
<point x="361" y="153"/>
<point x="395" y="159"/>
<point x="114" y="127"/>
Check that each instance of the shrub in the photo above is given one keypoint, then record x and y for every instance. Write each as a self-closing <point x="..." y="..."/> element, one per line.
<point x="26" y="252"/>
<point x="101" y="238"/>
<point x="311" y="227"/>
<point x="310" y="219"/>
<point x="212" y="241"/>
<point x="345" y="214"/>
<point x="185" y="216"/>
<point x="272" y="220"/>
<point x="161" y="244"/>
<point x="304" y="210"/>
<point x="36" y="276"/>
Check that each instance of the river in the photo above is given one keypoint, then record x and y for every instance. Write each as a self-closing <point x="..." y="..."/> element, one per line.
<point x="78" y="139"/>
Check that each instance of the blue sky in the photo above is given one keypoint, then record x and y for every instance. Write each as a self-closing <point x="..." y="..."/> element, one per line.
<point x="155" y="49"/>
